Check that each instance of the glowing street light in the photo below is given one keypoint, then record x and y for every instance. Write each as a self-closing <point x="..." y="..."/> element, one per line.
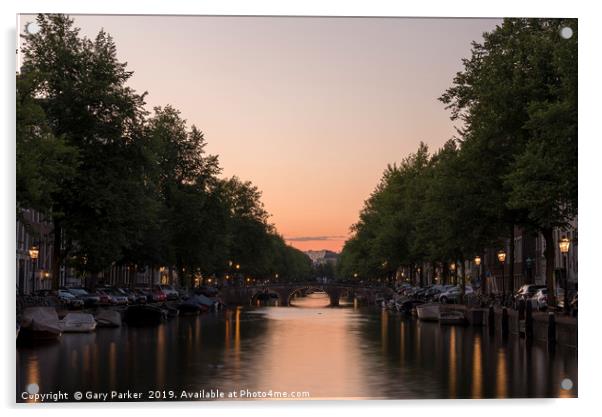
<point x="34" y="252"/>
<point x="477" y="262"/>
<point x="501" y="256"/>
<point x="564" y="244"/>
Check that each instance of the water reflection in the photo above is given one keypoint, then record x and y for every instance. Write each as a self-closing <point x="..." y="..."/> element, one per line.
<point x="344" y="352"/>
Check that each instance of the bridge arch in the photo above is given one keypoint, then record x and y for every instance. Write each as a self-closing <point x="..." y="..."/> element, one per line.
<point x="334" y="290"/>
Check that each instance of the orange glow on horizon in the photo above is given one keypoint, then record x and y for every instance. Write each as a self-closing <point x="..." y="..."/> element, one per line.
<point x="310" y="110"/>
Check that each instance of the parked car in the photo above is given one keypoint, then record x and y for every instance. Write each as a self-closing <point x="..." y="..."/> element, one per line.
<point x="105" y="298"/>
<point x="540" y="299"/>
<point x="127" y="293"/>
<point x="69" y="299"/>
<point x="153" y="295"/>
<point x="141" y="296"/>
<point x="438" y="289"/>
<point x="117" y="297"/>
<point x="89" y="299"/>
<point x="452" y="295"/>
<point x="527" y="291"/>
<point x="170" y="292"/>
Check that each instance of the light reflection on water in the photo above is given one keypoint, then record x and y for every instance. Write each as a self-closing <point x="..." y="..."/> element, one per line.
<point x="341" y="352"/>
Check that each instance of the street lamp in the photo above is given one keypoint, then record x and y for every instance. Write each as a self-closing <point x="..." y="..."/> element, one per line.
<point x="501" y="256"/>
<point x="34" y="252"/>
<point x="564" y="245"/>
<point x="477" y="262"/>
<point x="452" y="267"/>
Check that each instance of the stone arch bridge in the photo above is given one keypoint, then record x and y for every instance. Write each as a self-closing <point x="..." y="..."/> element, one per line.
<point x="245" y="295"/>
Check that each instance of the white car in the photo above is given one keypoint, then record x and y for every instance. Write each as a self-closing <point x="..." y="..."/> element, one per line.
<point x="540" y="299"/>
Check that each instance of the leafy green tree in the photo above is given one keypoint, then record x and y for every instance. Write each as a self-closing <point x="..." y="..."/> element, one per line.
<point x="513" y="83"/>
<point x="43" y="161"/>
<point x="81" y="87"/>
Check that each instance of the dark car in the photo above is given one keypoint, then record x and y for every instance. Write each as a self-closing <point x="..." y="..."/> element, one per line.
<point x="89" y="299"/>
<point x="170" y="292"/>
<point x="69" y="300"/>
<point x="117" y="297"/>
<point x="153" y="295"/>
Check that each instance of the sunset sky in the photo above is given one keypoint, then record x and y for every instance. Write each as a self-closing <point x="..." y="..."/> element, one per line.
<point x="311" y="110"/>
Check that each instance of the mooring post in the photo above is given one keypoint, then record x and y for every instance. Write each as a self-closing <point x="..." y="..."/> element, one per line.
<point x="529" y="321"/>
<point x="504" y="321"/>
<point x="551" y="328"/>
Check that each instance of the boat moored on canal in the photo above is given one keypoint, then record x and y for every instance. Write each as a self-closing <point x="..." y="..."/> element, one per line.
<point x="77" y="323"/>
<point x="452" y="318"/>
<point x="108" y="318"/>
<point x="40" y="324"/>
<point x="428" y="312"/>
<point x="140" y="315"/>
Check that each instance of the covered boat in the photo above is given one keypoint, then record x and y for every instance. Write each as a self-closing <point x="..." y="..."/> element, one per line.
<point x="189" y="309"/>
<point x="40" y="323"/>
<point x="202" y="300"/>
<point x="428" y="312"/>
<point x="108" y="318"/>
<point x="78" y="323"/>
<point x="139" y="315"/>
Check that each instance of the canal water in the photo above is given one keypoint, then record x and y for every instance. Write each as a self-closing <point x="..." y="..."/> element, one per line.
<point x="308" y="351"/>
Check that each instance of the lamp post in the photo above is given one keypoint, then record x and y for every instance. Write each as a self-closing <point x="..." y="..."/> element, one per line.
<point x="33" y="254"/>
<point x="501" y="256"/>
<point x="452" y="266"/>
<point x="564" y="245"/>
<point x="477" y="262"/>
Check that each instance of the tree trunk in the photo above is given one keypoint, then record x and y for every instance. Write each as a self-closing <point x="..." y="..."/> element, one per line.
<point x="93" y="281"/>
<point x="481" y="273"/>
<point x="421" y="275"/>
<point x="463" y="282"/>
<point x="549" y="254"/>
<point x="56" y="255"/>
<point x="443" y="274"/>
<point x="433" y="271"/>
<point x="511" y="263"/>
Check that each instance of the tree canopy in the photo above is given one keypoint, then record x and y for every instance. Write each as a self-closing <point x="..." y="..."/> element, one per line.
<point x="121" y="185"/>
<point x="514" y="161"/>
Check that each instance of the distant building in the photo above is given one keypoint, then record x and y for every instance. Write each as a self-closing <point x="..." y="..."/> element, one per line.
<point x="321" y="257"/>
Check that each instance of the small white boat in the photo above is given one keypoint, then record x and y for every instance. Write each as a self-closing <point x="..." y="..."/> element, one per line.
<point x="428" y="312"/>
<point x="40" y="323"/>
<point x="108" y="318"/>
<point x="452" y="318"/>
<point x="78" y="323"/>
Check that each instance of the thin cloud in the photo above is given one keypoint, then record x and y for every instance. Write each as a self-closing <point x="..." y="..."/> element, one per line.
<point x="313" y="238"/>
